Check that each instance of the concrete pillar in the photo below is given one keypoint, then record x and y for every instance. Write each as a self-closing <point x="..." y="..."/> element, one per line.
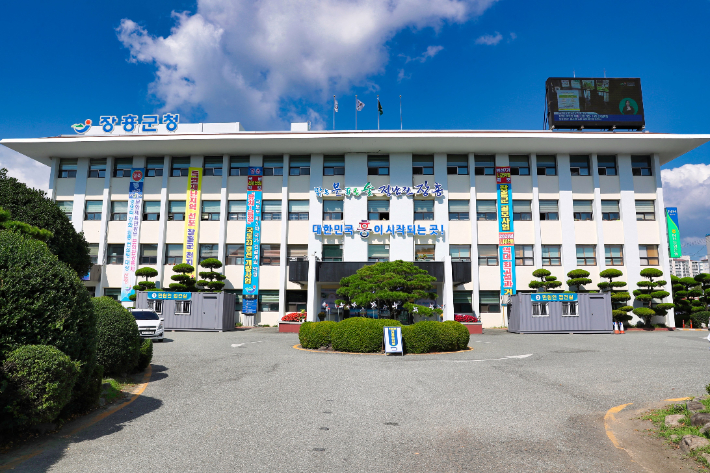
<point x="82" y="174"/>
<point x="537" y="252"/>
<point x="663" y="236"/>
<point x="474" y="237"/>
<point x="601" y="260"/>
<point x="283" y="254"/>
<point x="313" y="290"/>
<point x="448" y="289"/>
<point x="103" y="232"/>
<point x="354" y="209"/>
<point x="162" y="228"/>
<point x="569" y="244"/>
<point x="441" y="208"/>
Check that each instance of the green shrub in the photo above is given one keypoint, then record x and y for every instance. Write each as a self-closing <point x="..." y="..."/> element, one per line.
<point x="360" y="335"/>
<point x="315" y="334"/>
<point x="118" y="343"/>
<point x="40" y="380"/>
<point x="462" y="334"/>
<point x="45" y="303"/>
<point x="146" y="355"/>
<point x="431" y="336"/>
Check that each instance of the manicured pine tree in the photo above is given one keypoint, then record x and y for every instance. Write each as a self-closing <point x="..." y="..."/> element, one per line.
<point x="620" y="311"/>
<point x="578" y="279"/>
<point x="144" y="285"/>
<point x="700" y="311"/>
<point x="546" y="281"/>
<point x="211" y="281"/>
<point x="648" y="291"/>
<point x="185" y="282"/>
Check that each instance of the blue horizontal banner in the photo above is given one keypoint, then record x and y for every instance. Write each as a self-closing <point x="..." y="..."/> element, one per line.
<point x="552" y="297"/>
<point x="173" y="296"/>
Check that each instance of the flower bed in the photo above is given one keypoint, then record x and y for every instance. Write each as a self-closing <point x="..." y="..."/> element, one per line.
<point x="471" y="322"/>
<point x="465" y="318"/>
<point x="294" y="317"/>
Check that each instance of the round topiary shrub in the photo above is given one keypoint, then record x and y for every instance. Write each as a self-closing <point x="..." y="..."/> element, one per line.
<point x="118" y="343"/>
<point x="45" y="303"/>
<point x="40" y="380"/>
<point x="461" y="333"/>
<point x="314" y="335"/>
<point x="359" y="334"/>
<point x="146" y="355"/>
<point x="422" y="337"/>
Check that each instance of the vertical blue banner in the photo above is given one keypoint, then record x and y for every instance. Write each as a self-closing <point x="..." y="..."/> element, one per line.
<point x="133" y="222"/>
<point x="252" y="240"/>
<point x="506" y="235"/>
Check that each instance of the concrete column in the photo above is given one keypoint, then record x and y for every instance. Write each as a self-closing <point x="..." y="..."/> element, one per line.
<point x="474" y="236"/>
<point x="162" y="228"/>
<point x="441" y="208"/>
<point x="223" y="211"/>
<point x="402" y="207"/>
<point x="53" y="168"/>
<point x="448" y="289"/>
<point x="312" y="298"/>
<point x="103" y="232"/>
<point x="601" y="260"/>
<point x="354" y="208"/>
<point x="627" y="209"/>
<point x="284" y="241"/>
<point x="82" y="174"/>
<point x="537" y="252"/>
<point x="569" y="244"/>
<point x="663" y="236"/>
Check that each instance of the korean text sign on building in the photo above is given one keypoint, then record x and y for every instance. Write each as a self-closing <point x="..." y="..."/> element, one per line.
<point x="192" y="215"/>
<point x="506" y="239"/>
<point x="133" y="222"/>
<point x="252" y="237"/>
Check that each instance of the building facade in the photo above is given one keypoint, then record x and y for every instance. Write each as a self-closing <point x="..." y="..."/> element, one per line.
<point x="579" y="200"/>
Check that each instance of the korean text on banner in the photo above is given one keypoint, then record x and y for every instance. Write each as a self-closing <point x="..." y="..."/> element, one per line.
<point x="252" y="238"/>
<point x="673" y="232"/>
<point x="133" y="223"/>
<point x="192" y="215"/>
<point x="506" y="237"/>
<point x="393" y="340"/>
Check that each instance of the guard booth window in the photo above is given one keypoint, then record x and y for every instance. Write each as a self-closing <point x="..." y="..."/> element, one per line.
<point x="183" y="307"/>
<point x="540" y="309"/>
<point x="570" y="309"/>
<point x="157" y="306"/>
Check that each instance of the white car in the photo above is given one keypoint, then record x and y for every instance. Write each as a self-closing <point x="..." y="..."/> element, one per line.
<point x="150" y="325"/>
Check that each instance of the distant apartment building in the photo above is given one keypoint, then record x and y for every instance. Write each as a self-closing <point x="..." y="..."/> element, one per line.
<point x="684" y="267"/>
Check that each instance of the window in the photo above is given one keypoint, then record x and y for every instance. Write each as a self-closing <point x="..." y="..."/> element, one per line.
<point x="378" y="165"/>
<point x="154" y="167"/>
<point x="334" y="165"/>
<point x="582" y="210"/>
<point x="299" y="166"/>
<point x="463" y="302"/>
<point x="114" y="254"/>
<point x="112" y="292"/>
<point x="459" y="209"/>
<point x="546" y="166"/>
<point x="176" y="210"/>
<point x="551" y="255"/>
<point x="208" y="250"/>
<point x="519" y="165"/>
<point x="269" y="301"/>
<point x="122" y="167"/>
<point x="235" y="254"/>
<point x="524" y="255"/>
<point x="93" y="209"/>
<point x="570" y="309"/>
<point x="173" y="253"/>
<point x="378" y="209"/>
<point x="460" y="253"/>
<point x="423" y="252"/>
<point x="273" y="165"/>
<point x="239" y="166"/>
<point x="210" y="210"/>
<point x="377" y="253"/>
<point x="485" y="165"/>
<point x="67" y="168"/>
<point x="296" y="300"/>
<point x="457" y="164"/>
<point x="606" y="165"/>
<point x="486" y="210"/>
<point x="157" y="306"/>
<point x="645" y="210"/>
<point x="149" y="254"/>
<point x="487" y="255"/>
<point x="579" y="165"/>
<point x="333" y="209"/>
<point x="540" y="309"/>
<point x="610" y="210"/>
<point x="67" y="207"/>
<point x="94" y="253"/>
<point x="270" y="255"/>
<point x="614" y="255"/>
<point x="183" y="307"/>
<point x="332" y="252"/>
<point x="213" y="165"/>
<point x="297" y="252"/>
<point x="641" y="166"/>
<point x="423" y="164"/>
<point x="237" y="210"/>
<point x="549" y="210"/>
<point x="522" y="210"/>
<point x="423" y="209"/>
<point x="489" y="302"/>
<point x="298" y="209"/>
<point x="180" y="167"/>
<point x="151" y="210"/>
<point x="586" y="255"/>
<point x="649" y="255"/>
<point x="271" y="210"/>
<point x="97" y="167"/>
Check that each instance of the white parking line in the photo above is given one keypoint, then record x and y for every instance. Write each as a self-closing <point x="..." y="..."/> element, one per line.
<point x="235" y="345"/>
<point x="492" y="359"/>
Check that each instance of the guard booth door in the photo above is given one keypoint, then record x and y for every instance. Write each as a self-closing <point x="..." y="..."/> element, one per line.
<point x="210" y="310"/>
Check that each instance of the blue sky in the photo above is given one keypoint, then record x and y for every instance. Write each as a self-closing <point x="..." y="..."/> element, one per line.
<point x="458" y="64"/>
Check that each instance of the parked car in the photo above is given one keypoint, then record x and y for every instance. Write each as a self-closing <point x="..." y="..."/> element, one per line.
<point x="150" y="324"/>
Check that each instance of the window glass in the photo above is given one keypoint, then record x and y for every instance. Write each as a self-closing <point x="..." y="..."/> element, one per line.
<point x="522" y="210"/>
<point x="334" y="165"/>
<point x="376" y="253"/>
<point x="239" y="165"/>
<point x="549" y="210"/>
<point x="151" y="210"/>
<point x="173" y="253"/>
<point x="299" y="165"/>
<point x="332" y="253"/>
<point x="273" y="166"/>
<point x="270" y="255"/>
<point x="579" y="165"/>
<point x="94" y="209"/>
<point x="463" y="302"/>
<point x="213" y="165"/>
<point x="208" y="250"/>
<point x="586" y="255"/>
<point x="641" y="166"/>
<point x="524" y="255"/>
<point x="66" y="206"/>
<point x="570" y="309"/>
<point x="297" y="251"/>
<point x="332" y="209"/>
<point x="606" y="165"/>
<point x="122" y="167"/>
<point x="457" y="164"/>
<point x="614" y="255"/>
<point x="460" y="253"/>
<point x="645" y="210"/>
<point x="423" y="209"/>
<point x="378" y="165"/>
<point x="485" y="165"/>
<point x="459" y="209"/>
<point x="487" y="255"/>
<point x="519" y="165"/>
<point x="237" y="210"/>
<point x="67" y="167"/>
<point x="298" y="209"/>
<point x="582" y="209"/>
<point x="489" y="302"/>
<point x="423" y="252"/>
<point x="540" y="309"/>
<point x="210" y="209"/>
<point x="97" y="167"/>
<point x="422" y="164"/>
<point x="551" y="255"/>
<point x="378" y="209"/>
<point x="486" y="210"/>
<point x="546" y="166"/>
<point x="268" y="301"/>
<point x="235" y="254"/>
<point x="112" y="292"/>
<point x="149" y="254"/>
<point x="154" y="167"/>
<point x="180" y="167"/>
<point x="114" y="254"/>
<point x="610" y="210"/>
<point x="176" y="210"/>
<point x="94" y="253"/>
<point x="649" y="255"/>
<point x="271" y="210"/>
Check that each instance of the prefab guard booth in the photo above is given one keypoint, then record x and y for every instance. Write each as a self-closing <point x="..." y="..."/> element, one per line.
<point x="196" y="311"/>
<point x="545" y="312"/>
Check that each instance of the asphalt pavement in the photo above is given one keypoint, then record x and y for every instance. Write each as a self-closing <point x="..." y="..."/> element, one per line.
<point x="247" y="401"/>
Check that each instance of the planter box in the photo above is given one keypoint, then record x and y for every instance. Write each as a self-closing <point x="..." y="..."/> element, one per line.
<point x="289" y="327"/>
<point x="474" y="328"/>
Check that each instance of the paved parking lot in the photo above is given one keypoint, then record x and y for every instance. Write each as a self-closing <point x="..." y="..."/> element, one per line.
<point x="247" y="401"/>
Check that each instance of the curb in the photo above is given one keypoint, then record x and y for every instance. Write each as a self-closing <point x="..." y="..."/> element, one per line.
<point x="299" y="347"/>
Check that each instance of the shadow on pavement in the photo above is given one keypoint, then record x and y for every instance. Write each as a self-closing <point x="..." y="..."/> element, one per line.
<point x="159" y="372"/>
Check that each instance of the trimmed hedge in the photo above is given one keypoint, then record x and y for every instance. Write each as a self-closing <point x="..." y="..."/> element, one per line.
<point x="146" y="355"/>
<point x="360" y="334"/>
<point x="462" y="334"/>
<point x="316" y="334"/>
<point x="431" y="336"/>
<point x="40" y="380"/>
<point x="118" y="342"/>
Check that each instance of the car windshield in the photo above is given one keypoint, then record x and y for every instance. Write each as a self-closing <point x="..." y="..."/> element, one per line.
<point x="145" y="315"/>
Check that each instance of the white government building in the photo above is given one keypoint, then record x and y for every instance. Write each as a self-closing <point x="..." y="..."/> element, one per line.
<point x="590" y="200"/>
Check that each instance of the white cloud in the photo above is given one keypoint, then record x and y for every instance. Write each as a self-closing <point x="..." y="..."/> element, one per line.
<point x="430" y="52"/>
<point x="241" y="60"/>
<point x="513" y="37"/>
<point x="489" y="39"/>
<point x="24" y="169"/>
<point x="402" y="76"/>
<point x="688" y="188"/>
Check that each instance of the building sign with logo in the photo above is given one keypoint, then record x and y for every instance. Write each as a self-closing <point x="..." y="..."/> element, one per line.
<point x="393" y="340"/>
<point x="252" y="241"/>
<point x="368" y="190"/>
<point x="130" y="123"/>
<point x="192" y="215"/>
<point x="506" y="238"/>
<point x="133" y="222"/>
<point x="169" y="296"/>
<point x="673" y="232"/>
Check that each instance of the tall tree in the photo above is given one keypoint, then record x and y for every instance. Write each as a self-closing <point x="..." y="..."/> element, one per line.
<point x="144" y="285"/>
<point x="647" y="292"/>
<point x="211" y="280"/>
<point x="578" y="278"/>
<point x="184" y="281"/>
<point x="620" y="310"/>
<point x="546" y="281"/>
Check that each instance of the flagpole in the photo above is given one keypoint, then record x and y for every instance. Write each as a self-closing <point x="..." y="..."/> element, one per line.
<point x="400" y="113"/>
<point x="356" y="113"/>
<point x="378" y="113"/>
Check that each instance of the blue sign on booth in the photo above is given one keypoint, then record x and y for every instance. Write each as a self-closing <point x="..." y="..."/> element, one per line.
<point x="553" y="297"/>
<point x="169" y="296"/>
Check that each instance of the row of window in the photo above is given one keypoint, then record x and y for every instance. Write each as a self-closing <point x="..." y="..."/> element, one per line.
<point x="376" y="210"/>
<point x="377" y="165"/>
<point x="487" y="254"/>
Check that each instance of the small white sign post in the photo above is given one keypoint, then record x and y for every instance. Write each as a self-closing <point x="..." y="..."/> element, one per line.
<point x="393" y="340"/>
